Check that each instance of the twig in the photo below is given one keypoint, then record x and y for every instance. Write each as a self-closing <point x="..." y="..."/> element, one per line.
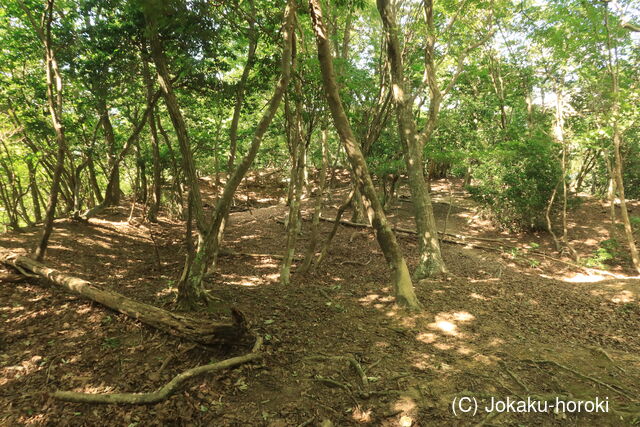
<point x="171" y="357"/>
<point x="49" y="369"/>
<point x="364" y="264"/>
<point x="324" y="294"/>
<point x="352" y="361"/>
<point x="228" y="252"/>
<point x="307" y="422"/>
<point x="331" y="382"/>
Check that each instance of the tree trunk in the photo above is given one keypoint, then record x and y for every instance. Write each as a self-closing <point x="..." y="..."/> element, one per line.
<point x="197" y="330"/>
<point x="207" y="252"/>
<point x="240" y="89"/>
<point x="33" y="187"/>
<point x="403" y="286"/>
<point x="618" y="164"/>
<point x="93" y="179"/>
<point x="430" y="262"/>
<point x="151" y="11"/>
<point x="112" y="196"/>
<point x="156" y="194"/>
<point x="54" y="99"/>
<point x="317" y="210"/>
<point x="624" y="214"/>
<point x="297" y="181"/>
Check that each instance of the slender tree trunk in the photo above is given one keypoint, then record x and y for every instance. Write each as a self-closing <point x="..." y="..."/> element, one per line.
<point x="403" y="286"/>
<point x="156" y="194"/>
<point x="240" y="90"/>
<point x="112" y="196"/>
<point x="430" y="262"/>
<point x="177" y="176"/>
<point x="357" y="204"/>
<point x="611" y="192"/>
<point x="559" y="136"/>
<point x="214" y="234"/>
<point x="186" y="300"/>
<point x="327" y="244"/>
<point x="207" y="249"/>
<point x="297" y="182"/>
<point x="317" y="211"/>
<point x="54" y="99"/>
<point x="152" y="10"/>
<point x="93" y="179"/>
<point x="618" y="163"/>
<point x="33" y="187"/>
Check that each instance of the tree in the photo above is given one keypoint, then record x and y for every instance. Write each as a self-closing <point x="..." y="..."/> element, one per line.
<point x="403" y="286"/>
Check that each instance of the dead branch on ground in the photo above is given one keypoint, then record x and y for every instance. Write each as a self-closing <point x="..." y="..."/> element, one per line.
<point x="165" y="391"/>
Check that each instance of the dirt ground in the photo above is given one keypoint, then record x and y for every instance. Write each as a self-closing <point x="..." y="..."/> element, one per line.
<point x="502" y="323"/>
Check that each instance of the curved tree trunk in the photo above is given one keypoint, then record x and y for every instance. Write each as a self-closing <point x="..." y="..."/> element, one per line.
<point x="617" y="157"/>
<point x="386" y="238"/>
<point x="54" y="98"/>
<point x="207" y="252"/>
<point x="240" y="89"/>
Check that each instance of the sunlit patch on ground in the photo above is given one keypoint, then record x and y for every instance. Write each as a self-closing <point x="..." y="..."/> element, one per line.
<point x="361" y="415"/>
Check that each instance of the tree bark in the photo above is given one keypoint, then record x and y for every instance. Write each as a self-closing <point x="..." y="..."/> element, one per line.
<point x="156" y="194"/>
<point x="54" y="98"/>
<point x="297" y="181"/>
<point x="151" y="10"/>
<point x="317" y="210"/>
<point x="430" y="262"/>
<point x="403" y="286"/>
<point x="207" y="253"/>
<point x="618" y="163"/>
<point x="240" y="89"/>
<point x="112" y="195"/>
<point x="33" y="187"/>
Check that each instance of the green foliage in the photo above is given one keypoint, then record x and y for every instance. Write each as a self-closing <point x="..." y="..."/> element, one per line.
<point x="515" y="181"/>
<point x="632" y="171"/>
<point x="606" y="254"/>
<point x="111" y="342"/>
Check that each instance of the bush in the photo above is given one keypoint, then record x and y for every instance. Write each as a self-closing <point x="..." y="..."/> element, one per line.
<point x="607" y="254"/>
<point x="515" y="181"/>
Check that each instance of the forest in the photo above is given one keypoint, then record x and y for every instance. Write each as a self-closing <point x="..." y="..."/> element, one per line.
<point x="319" y="212"/>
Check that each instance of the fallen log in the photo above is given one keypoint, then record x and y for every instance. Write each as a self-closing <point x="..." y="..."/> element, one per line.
<point x="163" y="392"/>
<point x="197" y="330"/>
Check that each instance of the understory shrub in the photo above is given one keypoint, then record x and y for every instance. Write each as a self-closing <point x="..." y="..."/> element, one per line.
<point x="515" y="180"/>
<point x="608" y="253"/>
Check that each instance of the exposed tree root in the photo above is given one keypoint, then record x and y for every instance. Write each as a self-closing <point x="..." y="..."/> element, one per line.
<point x="513" y="376"/>
<point x="606" y="356"/>
<point x="165" y="391"/>
<point x="615" y="388"/>
<point x="351" y="360"/>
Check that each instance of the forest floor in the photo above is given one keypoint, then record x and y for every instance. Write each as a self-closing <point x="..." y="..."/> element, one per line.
<point x="502" y="323"/>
